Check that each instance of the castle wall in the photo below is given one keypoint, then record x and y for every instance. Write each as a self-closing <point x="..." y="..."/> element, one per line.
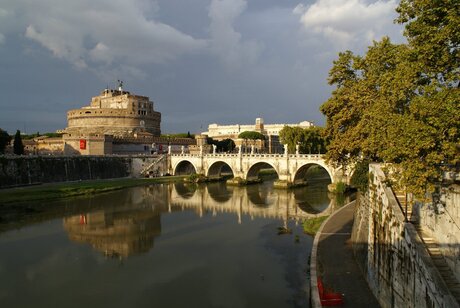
<point x="87" y="144"/>
<point x="112" y="121"/>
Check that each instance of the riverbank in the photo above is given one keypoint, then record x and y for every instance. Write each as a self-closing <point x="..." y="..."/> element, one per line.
<point x="51" y="191"/>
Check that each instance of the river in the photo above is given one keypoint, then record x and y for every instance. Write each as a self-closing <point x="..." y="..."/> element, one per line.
<point x="164" y="245"/>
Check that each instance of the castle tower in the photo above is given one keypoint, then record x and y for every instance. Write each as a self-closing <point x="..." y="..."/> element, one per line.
<point x="117" y="113"/>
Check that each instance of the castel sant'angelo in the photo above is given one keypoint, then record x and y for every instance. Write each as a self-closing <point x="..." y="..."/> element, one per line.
<point x="115" y="122"/>
<point x="117" y="113"/>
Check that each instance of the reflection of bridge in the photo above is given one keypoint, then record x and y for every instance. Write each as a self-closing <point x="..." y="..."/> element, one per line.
<point x="130" y="220"/>
<point x="291" y="168"/>
<point x="252" y="202"/>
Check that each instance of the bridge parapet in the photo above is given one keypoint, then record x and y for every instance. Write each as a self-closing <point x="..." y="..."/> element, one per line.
<point x="258" y="155"/>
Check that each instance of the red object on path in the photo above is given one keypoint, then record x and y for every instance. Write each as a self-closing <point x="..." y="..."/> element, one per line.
<point x="327" y="297"/>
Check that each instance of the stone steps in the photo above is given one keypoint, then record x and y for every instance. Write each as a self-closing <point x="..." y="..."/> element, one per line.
<point x="440" y="263"/>
<point x="402" y="200"/>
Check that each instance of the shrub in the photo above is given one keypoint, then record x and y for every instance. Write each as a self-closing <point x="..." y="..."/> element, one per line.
<point x="360" y="178"/>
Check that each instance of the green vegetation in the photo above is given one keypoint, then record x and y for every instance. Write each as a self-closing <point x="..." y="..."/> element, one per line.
<point x="196" y="178"/>
<point x="266" y="174"/>
<point x="360" y="177"/>
<point x="226" y="145"/>
<point x="310" y="140"/>
<point x="37" y="134"/>
<point x="251" y="135"/>
<point x="4" y="140"/>
<point x="70" y="189"/>
<point x="399" y="103"/>
<point x="179" y="135"/>
<point x="311" y="225"/>
<point x="18" y="146"/>
<point x="340" y="187"/>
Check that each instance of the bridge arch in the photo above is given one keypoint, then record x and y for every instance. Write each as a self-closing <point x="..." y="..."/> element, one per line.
<point x="185" y="191"/>
<point x="254" y="169"/>
<point x="259" y="196"/>
<point x="301" y="174"/>
<point x="184" y="167"/>
<point x="218" y="168"/>
<point x="219" y="192"/>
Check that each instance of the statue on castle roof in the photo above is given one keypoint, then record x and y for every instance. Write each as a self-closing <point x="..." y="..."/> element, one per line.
<point x="120" y="85"/>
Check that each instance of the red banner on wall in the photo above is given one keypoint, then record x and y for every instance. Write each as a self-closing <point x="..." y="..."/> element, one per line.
<point x="82" y="144"/>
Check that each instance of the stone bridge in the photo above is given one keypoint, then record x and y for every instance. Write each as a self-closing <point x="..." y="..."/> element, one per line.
<point x="290" y="168"/>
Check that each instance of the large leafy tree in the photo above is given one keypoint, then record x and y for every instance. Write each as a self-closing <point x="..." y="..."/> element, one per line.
<point x="4" y="140"/>
<point x="251" y="135"/>
<point x="18" y="146"/>
<point x="400" y="103"/>
<point x="310" y="140"/>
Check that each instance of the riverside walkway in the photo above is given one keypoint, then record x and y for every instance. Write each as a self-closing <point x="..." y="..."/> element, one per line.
<point x="332" y="259"/>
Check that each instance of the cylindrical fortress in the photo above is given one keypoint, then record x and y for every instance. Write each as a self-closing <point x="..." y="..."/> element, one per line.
<point x="117" y="113"/>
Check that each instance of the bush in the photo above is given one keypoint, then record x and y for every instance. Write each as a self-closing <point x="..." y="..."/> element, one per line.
<point x="360" y="178"/>
<point x="340" y="187"/>
<point x="311" y="225"/>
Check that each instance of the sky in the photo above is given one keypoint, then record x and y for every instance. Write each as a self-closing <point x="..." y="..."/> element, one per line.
<point x="199" y="61"/>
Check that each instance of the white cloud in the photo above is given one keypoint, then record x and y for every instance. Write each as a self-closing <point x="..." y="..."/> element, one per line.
<point x="346" y="23"/>
<point x="98" y="33"/>
<point x="2" y="38"/>
<point x="225" y="42"/>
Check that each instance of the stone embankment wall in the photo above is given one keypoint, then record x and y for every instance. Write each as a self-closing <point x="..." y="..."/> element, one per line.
<point x="27" y="170"/>
<point x="393" y="257"/>
<point x="441" y="219"/>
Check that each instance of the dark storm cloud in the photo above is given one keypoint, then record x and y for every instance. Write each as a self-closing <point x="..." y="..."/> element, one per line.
<point x="203" y="61"/>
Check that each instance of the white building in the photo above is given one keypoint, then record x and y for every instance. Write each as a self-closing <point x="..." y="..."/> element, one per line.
<point x="270" y="131"/>
<point x="220" y="132"/>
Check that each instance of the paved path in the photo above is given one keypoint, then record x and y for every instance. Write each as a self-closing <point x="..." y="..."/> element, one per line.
<point x="336" y="264"/>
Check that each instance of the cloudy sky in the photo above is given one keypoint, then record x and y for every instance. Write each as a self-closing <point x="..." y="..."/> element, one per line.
<point x="200" y="61"/>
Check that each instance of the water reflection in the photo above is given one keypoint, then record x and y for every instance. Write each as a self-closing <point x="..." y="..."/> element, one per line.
<point x="131" y="222"/>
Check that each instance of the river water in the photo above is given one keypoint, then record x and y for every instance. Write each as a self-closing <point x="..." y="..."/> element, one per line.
<point x="165" y="245"/>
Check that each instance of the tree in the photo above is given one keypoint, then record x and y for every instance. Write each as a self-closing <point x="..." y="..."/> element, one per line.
<point x="399" y="103"/>
<point x="251" y="135"/>
<point x="431" y="28"/>
<point x="18" y="147"/>
<point x="4" y="140"/>
<point x="226" y="145"/>
<point x="310" y="140"/>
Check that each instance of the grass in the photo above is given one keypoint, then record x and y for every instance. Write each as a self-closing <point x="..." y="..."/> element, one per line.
<point x="70" y="189"/>
<point x="311" y="226"/>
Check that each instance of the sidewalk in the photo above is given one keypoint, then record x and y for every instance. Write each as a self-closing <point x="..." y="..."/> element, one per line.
<point x="335" y="262"/>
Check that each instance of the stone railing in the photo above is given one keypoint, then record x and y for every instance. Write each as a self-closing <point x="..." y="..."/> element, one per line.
<point x="255" y="155"/>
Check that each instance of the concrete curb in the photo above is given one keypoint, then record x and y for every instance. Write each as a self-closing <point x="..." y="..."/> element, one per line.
<point x="314" y="294"/>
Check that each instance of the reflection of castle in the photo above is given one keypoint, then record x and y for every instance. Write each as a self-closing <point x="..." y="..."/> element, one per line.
<point x="118" y="233"/>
